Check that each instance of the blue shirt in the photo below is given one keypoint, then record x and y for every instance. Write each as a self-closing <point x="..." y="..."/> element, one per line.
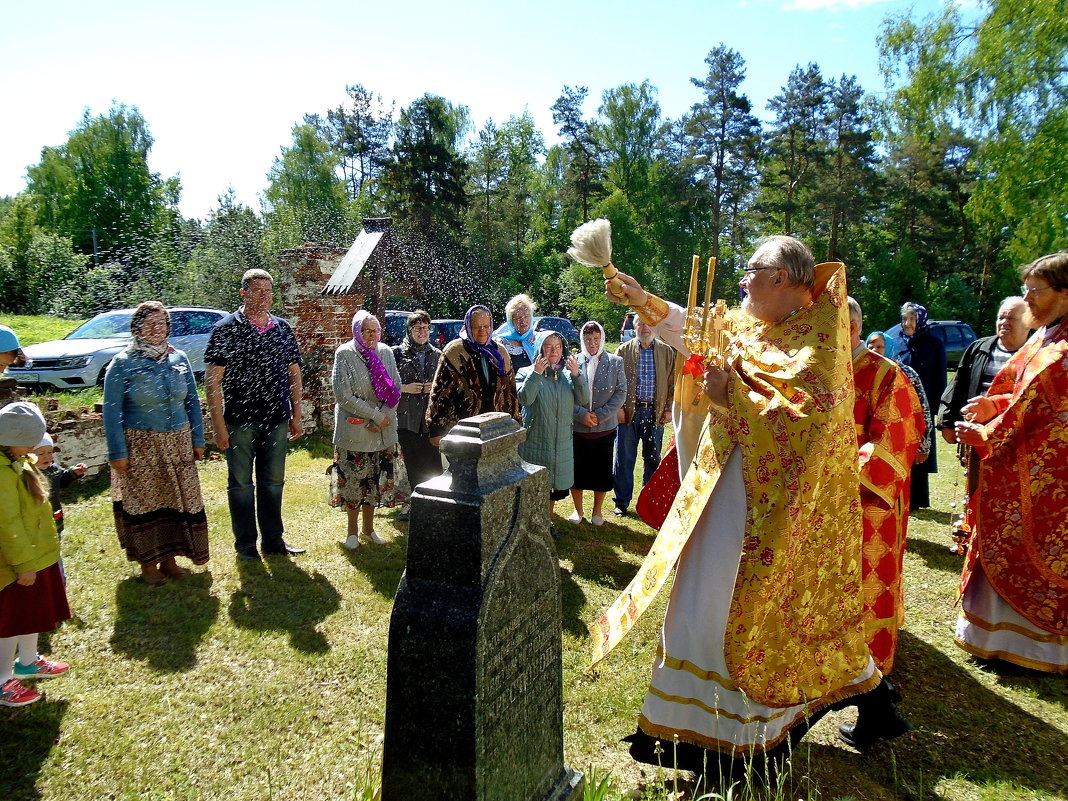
<point x="645" y="390"/>
<point x="145" y="395"/>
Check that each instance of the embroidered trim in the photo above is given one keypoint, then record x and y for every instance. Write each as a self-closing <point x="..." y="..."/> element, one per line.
<point x="653" y="311"/>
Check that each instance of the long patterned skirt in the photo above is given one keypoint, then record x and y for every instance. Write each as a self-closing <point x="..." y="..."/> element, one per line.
<point x="378" y="478"/>
<point x="159" y="511"/>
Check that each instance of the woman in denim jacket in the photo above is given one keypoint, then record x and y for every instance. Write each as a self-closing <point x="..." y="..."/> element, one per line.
<point x="155" y="435"/>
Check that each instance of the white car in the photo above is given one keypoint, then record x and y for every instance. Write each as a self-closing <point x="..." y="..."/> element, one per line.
<point x="79" y="360"/>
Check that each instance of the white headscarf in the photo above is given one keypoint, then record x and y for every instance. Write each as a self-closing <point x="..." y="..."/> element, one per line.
<point x="591" y="359"/>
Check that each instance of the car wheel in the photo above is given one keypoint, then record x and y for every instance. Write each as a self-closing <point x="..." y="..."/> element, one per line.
<point x="100" y="378"/>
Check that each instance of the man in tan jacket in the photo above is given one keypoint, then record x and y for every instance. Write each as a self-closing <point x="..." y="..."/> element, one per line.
<point x="649" y="365"/>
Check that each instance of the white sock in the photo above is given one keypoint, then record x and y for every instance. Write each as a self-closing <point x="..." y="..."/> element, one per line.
<point x="27" y="649"/>
<point x="7" y="658"/>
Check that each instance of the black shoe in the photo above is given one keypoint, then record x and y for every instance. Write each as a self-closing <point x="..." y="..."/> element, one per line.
<point x="285" y="550"/>
<point x="679" y="756"/>
<point x="619" y="511"/>
<point x="878" y="718"/>
<point x="249" y="555"/>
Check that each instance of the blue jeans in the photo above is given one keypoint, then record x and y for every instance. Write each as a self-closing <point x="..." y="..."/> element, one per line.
<point x="263" y="446"/>
<point x="642" y="428"/>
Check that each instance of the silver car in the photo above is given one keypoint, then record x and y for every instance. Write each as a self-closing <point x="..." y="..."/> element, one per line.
<point x="80" y="359"/>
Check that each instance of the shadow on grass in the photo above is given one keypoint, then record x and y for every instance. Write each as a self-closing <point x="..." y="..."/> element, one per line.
<point x="1047" y="686"/>
<point x="29" y="735"/>
<point x="277" y="595"/>
<point x="594" y="550"/>
<point x="382" y="564"/>
<point x="963" y="730"/>
<point x="163" y="625"/>
<point x="572" y="603"/>
<point x="936" y="554"/>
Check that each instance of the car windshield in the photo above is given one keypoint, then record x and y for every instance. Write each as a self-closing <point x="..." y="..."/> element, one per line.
<point x="104" y="326"/>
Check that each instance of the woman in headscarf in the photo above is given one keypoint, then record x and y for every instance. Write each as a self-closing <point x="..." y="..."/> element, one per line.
<point x="880" y="343"/>
<point x="595" y="422"/>
<point x="474" y="376"/>
<point x="518" y="337"/>
<point x="417" y="361"/>
<point x="925" y="353"/>
<point x="549" y="390"/>
<point x="367" y="471"/>
<point x="155" y="435"/>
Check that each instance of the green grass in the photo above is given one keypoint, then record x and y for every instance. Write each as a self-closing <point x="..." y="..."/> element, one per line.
<point x="268" y="681"/>
<point x="35" y="328"/>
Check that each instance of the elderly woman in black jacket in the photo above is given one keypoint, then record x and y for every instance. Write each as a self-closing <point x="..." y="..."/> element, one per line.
<point x="417" y="360"/>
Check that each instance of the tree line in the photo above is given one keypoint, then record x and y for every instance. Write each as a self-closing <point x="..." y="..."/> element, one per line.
<point x="934" y="191"/>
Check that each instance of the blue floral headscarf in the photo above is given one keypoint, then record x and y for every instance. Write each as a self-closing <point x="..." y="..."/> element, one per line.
<point x="489" y="350"/>
<point x="921" y="317"/>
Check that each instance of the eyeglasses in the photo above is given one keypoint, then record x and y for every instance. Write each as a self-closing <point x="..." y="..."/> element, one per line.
<point x="420" y="327"/>
<point x="755" y="269"/>
<point x="1030" y="290"/>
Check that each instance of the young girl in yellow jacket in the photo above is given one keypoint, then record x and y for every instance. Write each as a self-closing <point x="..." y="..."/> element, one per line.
<point x="32" y="596"/>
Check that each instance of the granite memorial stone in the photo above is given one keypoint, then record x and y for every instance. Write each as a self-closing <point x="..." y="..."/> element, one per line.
<point x="474" y="696"/>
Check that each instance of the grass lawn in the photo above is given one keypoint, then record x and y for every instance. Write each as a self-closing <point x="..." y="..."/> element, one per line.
<point x="268" y="681"/>
<point x="34" y="328"/>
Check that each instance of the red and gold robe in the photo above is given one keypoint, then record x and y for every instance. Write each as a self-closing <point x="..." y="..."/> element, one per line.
<point x="890" y="426"/>
<point x="1020" y="507"/>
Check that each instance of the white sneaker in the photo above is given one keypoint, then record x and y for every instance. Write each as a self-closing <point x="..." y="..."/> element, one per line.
<point x="373" y="536"/>
<point x="352" y="542"/>
<point x="576" y="518"/>
<point x="597" y="520"/>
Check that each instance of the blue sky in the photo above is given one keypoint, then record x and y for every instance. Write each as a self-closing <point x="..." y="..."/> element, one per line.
<point x="222" y="83"/>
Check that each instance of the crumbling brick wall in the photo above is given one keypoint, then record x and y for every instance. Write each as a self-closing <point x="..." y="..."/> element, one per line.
<point x="321" y="322"/>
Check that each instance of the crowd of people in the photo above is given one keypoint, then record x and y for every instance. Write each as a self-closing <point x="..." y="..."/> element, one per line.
<point x="788" y="514"/>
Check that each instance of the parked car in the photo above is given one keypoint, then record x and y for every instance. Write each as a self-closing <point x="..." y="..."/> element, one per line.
<point x="442" y="332"/>
<point x="395" y="326"/>
<point x="80" y="359"/>
<point x="560" y="325"/>
<point x="627" y="330"/>
<point x="956" y="335"/>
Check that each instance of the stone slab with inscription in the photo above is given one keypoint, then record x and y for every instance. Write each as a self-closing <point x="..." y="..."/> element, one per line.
<point x="474" y="695"/>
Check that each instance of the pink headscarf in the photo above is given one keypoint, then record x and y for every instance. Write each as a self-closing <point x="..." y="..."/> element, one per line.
<point x="382" y="385"/>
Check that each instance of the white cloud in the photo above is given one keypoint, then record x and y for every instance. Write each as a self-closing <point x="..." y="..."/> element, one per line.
<point x="819" y="5"/>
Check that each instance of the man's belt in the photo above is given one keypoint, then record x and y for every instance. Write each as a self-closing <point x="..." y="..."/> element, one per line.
<point x="645" y="404"/>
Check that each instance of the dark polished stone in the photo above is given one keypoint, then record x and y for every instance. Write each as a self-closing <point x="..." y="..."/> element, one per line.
<point x="474" y="694"/>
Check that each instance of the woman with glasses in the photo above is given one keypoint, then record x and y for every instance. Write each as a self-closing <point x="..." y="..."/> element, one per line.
<point x="1014" y="589"/>
<point x="916" y="347"/>
<point x="417" y="360"/>
<point x="368" y="470"/>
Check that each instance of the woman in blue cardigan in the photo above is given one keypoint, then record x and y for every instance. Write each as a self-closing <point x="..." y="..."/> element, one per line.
<point x="155" y="436"/>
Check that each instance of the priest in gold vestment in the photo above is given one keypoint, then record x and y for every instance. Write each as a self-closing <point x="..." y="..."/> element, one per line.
<point x="765" y="624"/>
